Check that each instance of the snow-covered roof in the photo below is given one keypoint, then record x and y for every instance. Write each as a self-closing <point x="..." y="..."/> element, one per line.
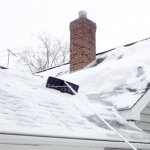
<point x="118" y="77"/>
<point x="28" y="107"/>
<point x="55" y="71"/>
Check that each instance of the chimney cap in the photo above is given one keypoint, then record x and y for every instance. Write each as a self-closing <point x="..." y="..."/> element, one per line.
<point x="82" y="13"/>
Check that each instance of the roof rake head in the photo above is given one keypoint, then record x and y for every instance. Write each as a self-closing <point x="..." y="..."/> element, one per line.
<point x="60" y="85"/>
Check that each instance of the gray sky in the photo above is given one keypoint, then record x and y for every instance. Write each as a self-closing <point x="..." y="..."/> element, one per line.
<point x="118" y="21"/>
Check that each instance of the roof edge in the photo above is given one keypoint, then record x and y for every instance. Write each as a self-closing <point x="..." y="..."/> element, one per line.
<point x="125" y="45"/>
<point x="72" y="138"/>
<point x="52" y="68"/>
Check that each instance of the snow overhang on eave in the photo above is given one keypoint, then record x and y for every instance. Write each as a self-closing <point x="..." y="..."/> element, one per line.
<point x="134" y="112"/>
<point x="64" y="142"/>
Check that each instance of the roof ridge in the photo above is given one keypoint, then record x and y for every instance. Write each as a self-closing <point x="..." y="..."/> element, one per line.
<point x="125" y="45"/>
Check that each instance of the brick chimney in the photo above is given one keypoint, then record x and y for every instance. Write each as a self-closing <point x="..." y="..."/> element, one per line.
<point x="82" y="42"/>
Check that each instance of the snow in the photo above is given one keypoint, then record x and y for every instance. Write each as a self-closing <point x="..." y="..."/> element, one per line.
<point x="55" y="72"/>
<point x="120" y="79"/>
<point x="28" y="107"/>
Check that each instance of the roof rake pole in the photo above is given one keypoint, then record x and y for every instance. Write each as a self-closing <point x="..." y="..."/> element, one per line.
<point x="113" y="129"/>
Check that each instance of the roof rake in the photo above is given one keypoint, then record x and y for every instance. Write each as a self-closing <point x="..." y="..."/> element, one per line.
<point x="68" y="87"/>
<point x="1" y="67"/>
<point x="60" y="85"/>
<point x="99" y="116"/>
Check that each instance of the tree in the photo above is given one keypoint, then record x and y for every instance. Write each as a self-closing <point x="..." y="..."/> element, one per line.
<point x="50" y="53"/>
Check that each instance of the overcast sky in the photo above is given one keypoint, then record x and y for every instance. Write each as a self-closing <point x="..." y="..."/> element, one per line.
<point x="118" y="21"/>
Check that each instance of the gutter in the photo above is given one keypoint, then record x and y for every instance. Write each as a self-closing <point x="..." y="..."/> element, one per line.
<point x="38" y="140"/>
<point x="124" y="109"/>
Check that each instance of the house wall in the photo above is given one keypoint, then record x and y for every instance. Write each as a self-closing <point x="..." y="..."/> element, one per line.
<point x="30" y="142"/>
<point x="144" y="122"/>
<point x="44" y="147"/>
<point x="116" y="149"/>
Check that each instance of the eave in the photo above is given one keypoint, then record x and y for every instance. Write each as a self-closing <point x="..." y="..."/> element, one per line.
<point x="134" y="112"/>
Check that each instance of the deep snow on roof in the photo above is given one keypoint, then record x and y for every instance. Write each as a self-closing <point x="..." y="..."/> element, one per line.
<point x="55" y="71"/>
<point x="119" y="77"/>
<point x="122" y="77"/>
<point x="28" y="107"/>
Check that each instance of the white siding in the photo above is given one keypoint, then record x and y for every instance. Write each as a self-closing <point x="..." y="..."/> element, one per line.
<point x="18" y="142"/>
<point x="45" y="147"/>
<point x="144" y="122"/>
<point x="119" y="149"/>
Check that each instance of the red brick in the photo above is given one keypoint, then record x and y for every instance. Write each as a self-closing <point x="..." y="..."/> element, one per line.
<point x="82" y="43"/>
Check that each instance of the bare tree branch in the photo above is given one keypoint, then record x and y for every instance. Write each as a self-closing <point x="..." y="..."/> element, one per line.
<point x="50" y="53"/>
